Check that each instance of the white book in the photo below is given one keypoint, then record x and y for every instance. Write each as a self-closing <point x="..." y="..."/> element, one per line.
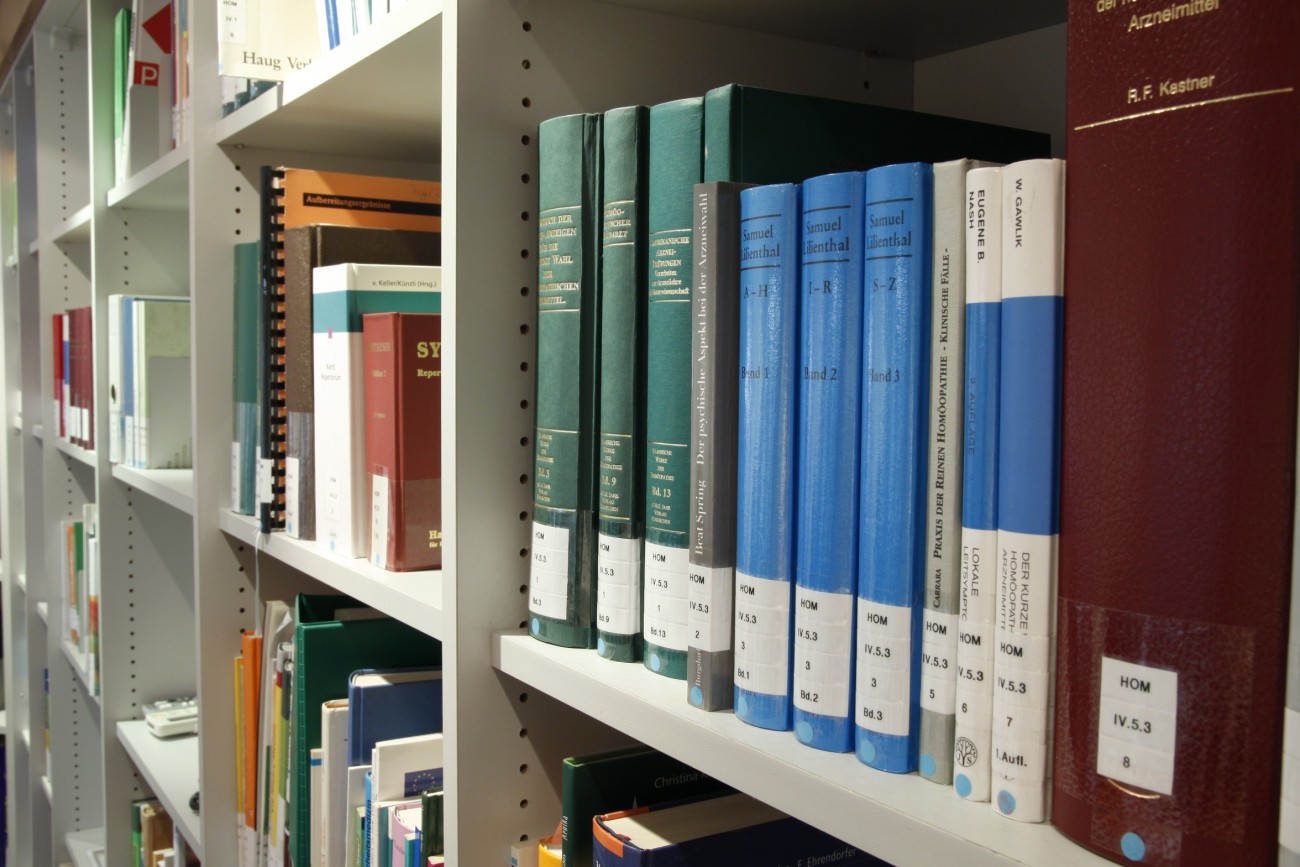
<point x="267" y="39"/>
<point x="944" y="489"/>
<point x="341" y="295"/>
<point x="974" y="731"/>
<point x="162" y="382"/>
<point x="115" y="378"/>
<point x="334" y="783"/>
<point x="356" y="801"/>
<point x="400" y="770"/>
<point x="1033" y="232"/>
<point x="147" y="132"/>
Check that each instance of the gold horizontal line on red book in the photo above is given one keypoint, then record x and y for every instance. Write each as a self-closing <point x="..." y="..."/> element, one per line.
<point x="1197" y="104"/>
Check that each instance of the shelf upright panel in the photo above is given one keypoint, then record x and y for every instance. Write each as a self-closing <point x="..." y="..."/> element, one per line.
<point x="508" y="66"/>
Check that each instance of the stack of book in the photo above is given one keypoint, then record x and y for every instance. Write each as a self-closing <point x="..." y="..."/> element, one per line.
<point x="150" y="83"/>
<point x="149" y="381"/>
<point x="155" y="840"/>
<point x="79" y="589"/>
<point x="338" y="745"/>
<point x="74" y="389"/>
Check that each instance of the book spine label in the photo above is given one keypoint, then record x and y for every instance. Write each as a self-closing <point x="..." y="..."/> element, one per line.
<point x="944" y="494"/>
<point x="974" y="730"/>
<point x="766" y="454"/>
<point x="715" y="339"/>
<point x="563" y="595"/>
<point x="618" y="608"/>
<point x="622" y="384"/>
<point x="830" y="358"/>
<point x="675" y="166"/>
<point x="895" y="390"/>
<point x="292" y="504"/>
<point x="1137" y="725"/>
<point x="762" y="641"/>
<point x="1028" y="483"/>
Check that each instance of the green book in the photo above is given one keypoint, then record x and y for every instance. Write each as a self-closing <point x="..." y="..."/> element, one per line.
<point x="762" y="136"/>
<point x="676" y="165"/>
<point x="620" y="522"/>
<point x="562" y="575"/>
<point x="121" y="51"/>
<point x="333" y="637"/>
<point x="431" y="823"/>
<point x="604" y="782"/>
<point x="245" y="437"/>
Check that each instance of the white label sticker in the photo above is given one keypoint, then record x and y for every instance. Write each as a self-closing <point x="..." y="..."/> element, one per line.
<point x="763" y="634"/>
<point x="884" y="655"/>
<point x="265" y="471"/>
<point x="823" y="638"/>
<point x="291" y="507"/>
<point x="709" y="594"/>
<point x="979" y="587"/>
<point x="1026" y="761"/>
<point x="1025" y="566"/>
<point x="378" y="519"/>
<point x="548" y="572"/>
<point x="236" y="477"/>
<point x="618" y="585"/>
<point x="939" y="662"/>
<point x="1137" y="725"/>
<point x="666" y="569"/>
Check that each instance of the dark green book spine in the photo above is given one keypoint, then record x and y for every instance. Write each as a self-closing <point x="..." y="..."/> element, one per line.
<point x="676" y="165"/>
<point x="562" y="577"/>
<point x="246" y="437"/>
<point x="715" y="394"/>
<point x="621" y="444"/>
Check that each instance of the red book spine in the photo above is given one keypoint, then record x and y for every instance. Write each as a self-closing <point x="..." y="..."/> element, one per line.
<point x="1179" y="428"/>
<point x="403" y="405"/>
<point x="75" y="350"/>
<point x="56" y="347"/>
<point x="87" y="377"/>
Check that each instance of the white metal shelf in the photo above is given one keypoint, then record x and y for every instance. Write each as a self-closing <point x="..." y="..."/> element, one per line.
<point x="75" y="229"/>
<point x="81" y="665"/>
<point x="357" y="98"/>
<point x="43" y="611"/>
<point x="171" y="768"/>
<point x="173" y="487"/>
<point x="81" y="846"/>
<point x="48" y="788"/>
<point x="162" y="186"/>
<point x="414" y="598"/>
<point x="26" y="736"/>
<point x="901" y="818"/>
<point x="74" y="451"/>
<point x="38" y="432"/>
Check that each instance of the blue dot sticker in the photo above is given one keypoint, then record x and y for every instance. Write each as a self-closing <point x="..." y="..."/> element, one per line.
<point x="928" y="766"/>
<point x="962" y="785"/>
<point x="867" y="751"/>
<point x="742" y="707"/>
<point x="697" y="696"/>
<point x="1006" y="802"/>
<point x="1133" y="846"/>
<point x="537" y="626"/>
<point x="655" y="662"/>
<point x="804" y="732"/>
<point x="600" y="646"/>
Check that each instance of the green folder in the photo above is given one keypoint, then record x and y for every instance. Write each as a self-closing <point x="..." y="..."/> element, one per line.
<point x="331" y="642"/>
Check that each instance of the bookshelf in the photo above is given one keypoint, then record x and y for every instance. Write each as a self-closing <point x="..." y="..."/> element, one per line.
<point x="438" y="89"/>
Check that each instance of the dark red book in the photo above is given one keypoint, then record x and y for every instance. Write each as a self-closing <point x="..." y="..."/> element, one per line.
<point x="403" y="403"/>
<point x="1179" y="428"/>
<point x="58" y="374"/>
<point x="86" y="390"/>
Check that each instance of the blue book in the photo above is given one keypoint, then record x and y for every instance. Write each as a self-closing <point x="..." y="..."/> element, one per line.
<point x="1029" y="484"/>
<point x="826" y="508"/>
<point x="366" y="819"/>
<point x="765" y="472"/>
<point x="733" y="829"/>
<point x="387" y="704"/>
<point x="979" y="510"/>
<point x="895" y="399"/>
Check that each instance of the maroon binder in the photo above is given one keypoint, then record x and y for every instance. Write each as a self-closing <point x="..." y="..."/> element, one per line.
<point x="1179" y="439"/>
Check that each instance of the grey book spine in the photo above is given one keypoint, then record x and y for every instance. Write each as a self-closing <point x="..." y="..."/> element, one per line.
<point x="938" y="723"/>
<point x="715" y="355"/>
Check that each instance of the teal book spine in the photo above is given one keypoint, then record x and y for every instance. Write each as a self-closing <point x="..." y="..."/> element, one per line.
<point x="620" y="520"/>
<point x="676" y="165"/>
<point x="246" y="435"/>
<point x="895" y="393"/>
<point x="830" y="361"/>
<point x="562" y="576"/>
<point x="765" y="453"/>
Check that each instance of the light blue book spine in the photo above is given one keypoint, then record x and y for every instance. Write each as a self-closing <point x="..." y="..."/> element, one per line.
<point x="1029" y="484"/>
<point x="895" y="400"/>
<point x="765" y="473"/>
<point x="128" y="380"/>
<point x="979" y="518"/>
<point x="830" y="369"/>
